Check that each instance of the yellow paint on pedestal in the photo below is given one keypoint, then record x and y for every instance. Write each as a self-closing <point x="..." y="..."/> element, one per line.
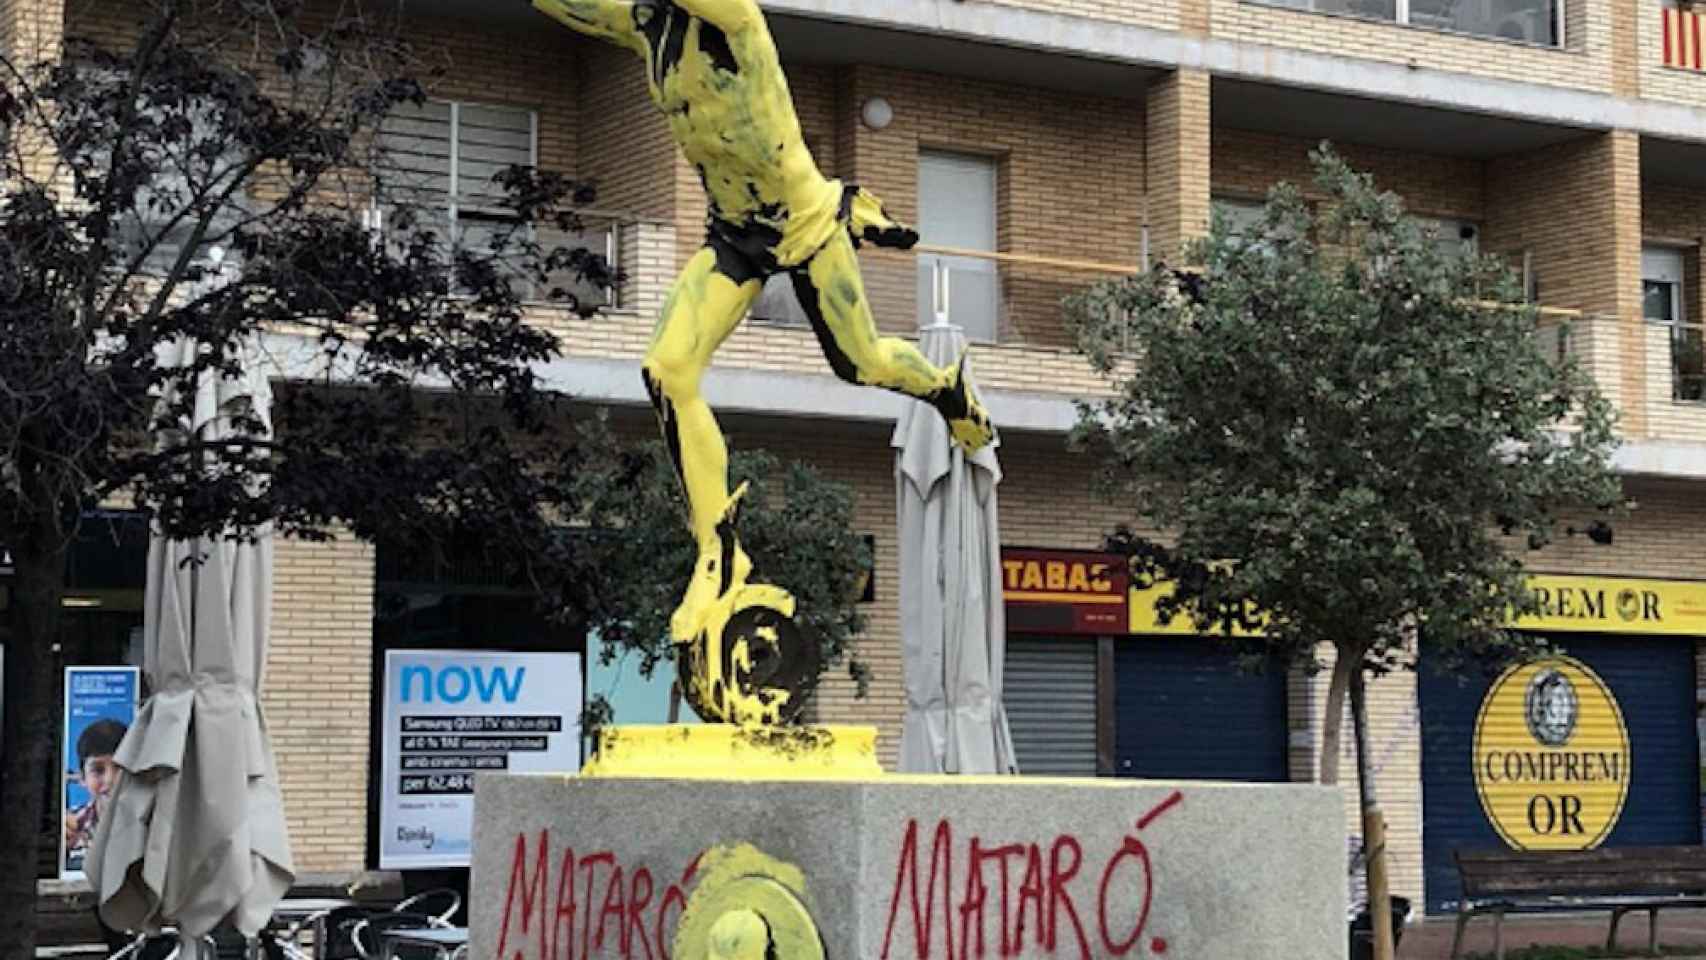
<point x="747" y="905"/>
<point x="728" y="752"/>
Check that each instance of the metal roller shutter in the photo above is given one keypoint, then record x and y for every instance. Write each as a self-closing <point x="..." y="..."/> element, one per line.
<point x="1050" y="694"/>
<point x="1652" y="680"/>
<point x="1185" y="711"/>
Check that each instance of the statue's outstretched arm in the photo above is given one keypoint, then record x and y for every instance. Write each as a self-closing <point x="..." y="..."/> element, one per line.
<point x="609" y="20"/>
<point x="729" y="15"/>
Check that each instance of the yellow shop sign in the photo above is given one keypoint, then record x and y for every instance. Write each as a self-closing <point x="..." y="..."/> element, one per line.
<point x="1617" y="605"/>
<point x="1552" y="758"/>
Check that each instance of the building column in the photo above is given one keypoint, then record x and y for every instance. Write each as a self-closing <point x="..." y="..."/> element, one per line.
<point x="1575" y="210"/>
<point x="31" y="30"/>
<point x="1622" y="151"/>
<point x="885" y="162"/>
<point x="1176" y="162"/>
<point x="317" y="692"/>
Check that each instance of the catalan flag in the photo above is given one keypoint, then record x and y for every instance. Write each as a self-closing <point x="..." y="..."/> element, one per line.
<point x="1684" y="37"/>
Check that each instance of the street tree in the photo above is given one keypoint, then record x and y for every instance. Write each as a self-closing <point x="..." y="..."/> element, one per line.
<point x="635" y="534"/>
<point x="200" y="198"/>
<point x="1344" y="424"/>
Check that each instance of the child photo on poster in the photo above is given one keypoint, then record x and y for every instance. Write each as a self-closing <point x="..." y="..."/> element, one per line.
<point x="100" y="706"/>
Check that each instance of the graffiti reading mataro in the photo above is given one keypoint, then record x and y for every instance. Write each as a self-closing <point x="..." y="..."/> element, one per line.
<point x="713" y="71"/>
<point x="950" y="892"/>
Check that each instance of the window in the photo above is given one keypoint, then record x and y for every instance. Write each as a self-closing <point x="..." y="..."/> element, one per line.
<point x="1661" y="304"/>
<point x="1524" y="21"/>
<point x="778" y="304"/>
<point x="194" y="158"/>
<point x="1453" y="237"/>
<point x="956" y="208"/>
<point x="1243" y="218"/>
<point x="440" y="159"/>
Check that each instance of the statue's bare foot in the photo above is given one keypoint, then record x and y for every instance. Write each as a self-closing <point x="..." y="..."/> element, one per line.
<point x="968" y="421"/>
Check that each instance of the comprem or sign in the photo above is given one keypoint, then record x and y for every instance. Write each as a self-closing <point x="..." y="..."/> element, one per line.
<point x="1552" y="757"/>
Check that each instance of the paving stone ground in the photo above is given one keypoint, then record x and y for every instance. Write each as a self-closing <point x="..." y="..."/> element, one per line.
<point x="1431" y="939"/>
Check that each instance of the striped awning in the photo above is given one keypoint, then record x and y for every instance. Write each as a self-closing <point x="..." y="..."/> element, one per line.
<point x="1684" y="36"/>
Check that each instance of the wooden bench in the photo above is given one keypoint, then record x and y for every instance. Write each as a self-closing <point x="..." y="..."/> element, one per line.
<point x="1620" y="880"/>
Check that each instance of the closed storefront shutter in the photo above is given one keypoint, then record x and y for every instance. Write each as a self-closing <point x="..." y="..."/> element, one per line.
<point x="1652" y="682"/>
<point x="1185" y="711"/>
<point x="1050" y="694"/>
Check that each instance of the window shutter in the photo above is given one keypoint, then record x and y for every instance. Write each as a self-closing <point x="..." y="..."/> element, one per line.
<point x="489" y="140"/>
<point x="415" y="144"/>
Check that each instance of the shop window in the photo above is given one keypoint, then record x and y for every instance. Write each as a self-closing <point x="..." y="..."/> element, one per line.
<point x="1523" y="21"/>
<point x="460" y="595"/>
<point x="1662" y="304"/>
<point x="957" y="209"/>
<point x="100" y="624"/>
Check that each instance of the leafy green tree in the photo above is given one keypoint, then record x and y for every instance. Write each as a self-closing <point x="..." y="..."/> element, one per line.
<point x="1342" y="423"/>
<point x="799" y="530"/>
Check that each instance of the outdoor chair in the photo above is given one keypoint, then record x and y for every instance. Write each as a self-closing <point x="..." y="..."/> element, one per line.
<point x="163" y="945"/>
<point x="284" y="942"/>
<point x="442" y="903"/>
<point x="367" y="935"/>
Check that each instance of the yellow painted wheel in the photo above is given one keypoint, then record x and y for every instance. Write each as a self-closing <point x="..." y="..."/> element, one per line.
<point x="747" y="918"/>
<point x="753" y="665"/>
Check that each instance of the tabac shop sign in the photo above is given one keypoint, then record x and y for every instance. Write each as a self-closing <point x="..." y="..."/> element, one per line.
<point x="1064" y="591"/>
<point x="1552" y="758"/>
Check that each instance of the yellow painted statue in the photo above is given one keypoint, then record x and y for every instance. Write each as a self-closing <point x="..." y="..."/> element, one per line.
<point x="712" y="69"/>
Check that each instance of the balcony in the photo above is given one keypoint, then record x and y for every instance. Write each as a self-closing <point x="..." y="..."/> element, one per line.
<point x="1653" y="371"/>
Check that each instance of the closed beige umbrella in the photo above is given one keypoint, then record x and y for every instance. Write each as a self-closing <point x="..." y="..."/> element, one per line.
<point x="953" y="625"/>
<point x="195" y="832"/>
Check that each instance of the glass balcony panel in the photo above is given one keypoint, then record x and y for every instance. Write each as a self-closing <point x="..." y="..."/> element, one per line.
<point x="778" y="304"/>
<point x="1372" y="9"/>
<point x="973" y="295"/>
<point x="1528" y="21"/>
<point x="603" y="239"/>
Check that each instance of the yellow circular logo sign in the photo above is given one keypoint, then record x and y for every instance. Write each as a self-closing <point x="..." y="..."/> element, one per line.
<point x="1552" y="758"/>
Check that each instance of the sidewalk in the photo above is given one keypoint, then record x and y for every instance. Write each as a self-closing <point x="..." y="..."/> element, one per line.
<point x="1431" y="939"/>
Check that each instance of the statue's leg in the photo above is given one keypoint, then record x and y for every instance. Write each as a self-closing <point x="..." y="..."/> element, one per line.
<point x="703" y="308"/>
<point x="833" y="296"/>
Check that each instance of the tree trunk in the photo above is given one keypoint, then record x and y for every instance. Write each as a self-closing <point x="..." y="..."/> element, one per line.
<point x="1373" y="825"/>
<point x="1333" y="720"/>
<point x="31" y="733"/>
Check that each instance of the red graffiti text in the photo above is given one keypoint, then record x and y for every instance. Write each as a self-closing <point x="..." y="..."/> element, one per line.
<point x="1054" y="897"/>
<point x="572" y="906"/>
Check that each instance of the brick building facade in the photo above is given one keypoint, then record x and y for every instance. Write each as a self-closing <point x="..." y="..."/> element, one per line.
<point x="1110" y="129"/>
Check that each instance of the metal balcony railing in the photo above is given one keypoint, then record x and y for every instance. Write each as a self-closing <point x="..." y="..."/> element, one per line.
<point x="1666" y="371"/>
<point x="601" y="233"/>
<point x="994" y="297"/>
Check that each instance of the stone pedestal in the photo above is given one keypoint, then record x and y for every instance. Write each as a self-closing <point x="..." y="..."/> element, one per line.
<point x="870" y="867"/>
